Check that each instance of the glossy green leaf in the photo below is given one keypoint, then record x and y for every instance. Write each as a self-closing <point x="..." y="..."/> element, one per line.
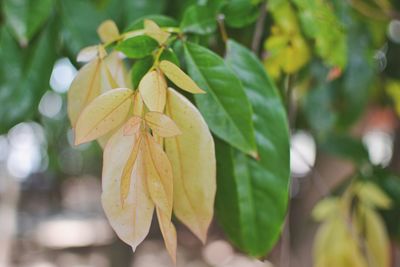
<point x="139" y="69"/>
<point x="199" y="20"/>
<point x="240" y="13"/>
<point x="26" y="17"/>
<point x="252" y="195"/>
<point x="225" y="105"/>
<point x="138" y="47"/>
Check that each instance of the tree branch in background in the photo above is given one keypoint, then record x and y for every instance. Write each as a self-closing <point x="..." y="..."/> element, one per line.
<point x="258" y="32"/>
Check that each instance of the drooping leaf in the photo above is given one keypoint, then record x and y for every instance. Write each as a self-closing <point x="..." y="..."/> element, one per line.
<point x="26" y="17"/>
<point x="371" y="194"/>
<point x="132" y="126"/>
<point x="169" y="233"/>
<point x="138" y="46"/>
<point x="179" y="78"/>
<point x="139" y="69"/>
<point x="252" y="195"/>
<point x="154" y="31"/>
<point x="131" y="221"/>
<point x="158" y="175"/>
<point x="161" y="124"/>
<point x="108" y="31"/>
<point x="103" y="114"/>
<point x="153" y="89"/>
<point x="192" y="158"/>
<point x="224" y="94"/>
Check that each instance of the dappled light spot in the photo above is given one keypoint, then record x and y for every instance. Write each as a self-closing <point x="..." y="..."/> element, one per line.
<point x="50" y="105"/>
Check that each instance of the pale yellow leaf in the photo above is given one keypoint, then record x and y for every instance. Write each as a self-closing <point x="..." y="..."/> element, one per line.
<point x="179" y="78"/>
<point x="169" y="234"/>
<point x="132" y="221"/>
<point x="377" y="241"/>
<point x="192" y="158"/>
<point x="119" y="72"/>
<point x="103" y="114"/>
<point x="108" y="31"/>
<point x="161" y="124"/>
<point x="88" y="53"/>
<point x="102" y="140"/>
<point x="326" y="208"/>
<point x="158" y="175"/>
<point x="132" y="126"/>
<point x="138" y="106"/>
<point x="126" y="173"/>
<point x="84" y="88"/>
<point x="153" y="89"/>
<point x="154" y="31"/>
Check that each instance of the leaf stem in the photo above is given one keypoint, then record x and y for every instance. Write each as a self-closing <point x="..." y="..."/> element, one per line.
<point x="222" y="29"/>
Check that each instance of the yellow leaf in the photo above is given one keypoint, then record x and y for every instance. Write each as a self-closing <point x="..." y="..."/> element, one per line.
<point x="192" y="158"/>
<point x="132" y="126"/>
<point x="103" y="114"/>
<point x="154" y="31"/>
<point x="377" y="241"/>
<point x="158" y="175"/>
<point x="108" y="31"/>
<point x="116" y="65"/>
<point x="132" y="221"/>
<point x="153" y="89"/>
<point x="138" y="106"/>
<point x="86" y="86"/>
<point x="169" y="234"/>
<point x="161" y="124"/>
<point x="371" y="194"/>
<point x="326" y="208"/>
<point x="179" y="78"/>
<point x="126" y="173"/>
<point x="88" y="53"/>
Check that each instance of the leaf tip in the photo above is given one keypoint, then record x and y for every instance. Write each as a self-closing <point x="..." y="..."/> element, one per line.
<point x="254" y="154"/>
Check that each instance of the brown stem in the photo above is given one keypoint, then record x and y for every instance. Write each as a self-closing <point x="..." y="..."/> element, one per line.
<point x="259" y="29"/>
<point x="221" y="26"/>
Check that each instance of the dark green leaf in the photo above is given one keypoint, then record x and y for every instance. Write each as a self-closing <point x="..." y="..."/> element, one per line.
<point x="25" y="17"/>
<point x="240" y="13"/>
<point x="252" y="195"/>
<point x="161" y="20"/>
<point x="137" y="47"/>
<point x="199" y="20"/>
<point x="225" y="106"/>
<point x="139" y="69"/>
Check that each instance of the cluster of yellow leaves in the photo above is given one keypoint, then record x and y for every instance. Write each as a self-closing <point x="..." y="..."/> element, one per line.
<point x="393" y="90"/>
<point x="352" y="233"/>
<point x="287" y="50"/>
<point x="159" y="153"/>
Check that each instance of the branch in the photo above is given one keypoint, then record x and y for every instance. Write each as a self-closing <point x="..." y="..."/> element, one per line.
<point x="258" y="32"/>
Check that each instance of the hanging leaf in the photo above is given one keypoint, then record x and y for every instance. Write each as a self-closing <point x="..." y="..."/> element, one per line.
<point x="108" y="31"/>
<point x="179" y="78"/>
<point x="158" y="175"/>
<point x="169" y="234"/>
<point x="137" y="47"/>
<point x="103" y="114"/>
<point x="252" y="195"/>
<point x="132" y="220"/>
<point x="225" y="94"/>
<point x="88" y="53"/>
<point x="139" y="69"/>
<point x="192" y="158"/>
<point x="153" y="89"/>
<point x="161" y="124"/>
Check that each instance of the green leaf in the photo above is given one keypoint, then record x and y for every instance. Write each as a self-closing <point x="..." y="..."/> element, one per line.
<point x="22" y="83"/>
<point x="225" y="106"/>
<point x="240" y="13"/>
<point x="252" y="195"/>
<point x="161" y="20"/>
<point x="139" y="69"/>
<point x="138" y="46"/>
<point x="136" y="9"/>
<point x="26" y="17"/>
<point x="199" y="20"/>
<point x="169" y="54"/>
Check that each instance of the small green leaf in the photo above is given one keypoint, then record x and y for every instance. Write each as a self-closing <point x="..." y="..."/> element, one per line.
<point x="240" y="13"/>
<point x="26" y="17"/>
<point x="138" y="47"/>
<point x="139" y="69"/>
<point x="252" y="195"/>
<point x="199" y="20"/>
<point x="225" y="106"/>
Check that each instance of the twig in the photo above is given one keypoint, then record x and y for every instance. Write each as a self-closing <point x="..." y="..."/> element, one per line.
<point x="221" y="26"/>
<point x="258" y="32"/>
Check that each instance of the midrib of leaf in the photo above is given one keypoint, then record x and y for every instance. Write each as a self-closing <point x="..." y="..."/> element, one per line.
<point x="89" y="92"/>
<point x="107" y="114"/>
<point x="249" y="203"/>
<point x="178" y="147"/>
<point x="217" y="99"/>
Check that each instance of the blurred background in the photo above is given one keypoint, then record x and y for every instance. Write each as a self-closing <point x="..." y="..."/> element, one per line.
<point x="343" y="114"/>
